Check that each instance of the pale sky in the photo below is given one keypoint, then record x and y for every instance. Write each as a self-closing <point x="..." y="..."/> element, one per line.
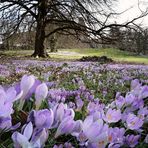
<point x="123" y="5"/>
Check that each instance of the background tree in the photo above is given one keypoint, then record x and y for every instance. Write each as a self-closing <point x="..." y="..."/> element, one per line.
<point x="63" y="14"/>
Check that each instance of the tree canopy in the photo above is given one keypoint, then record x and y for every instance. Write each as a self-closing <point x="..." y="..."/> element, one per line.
<point x="88" y="17"/>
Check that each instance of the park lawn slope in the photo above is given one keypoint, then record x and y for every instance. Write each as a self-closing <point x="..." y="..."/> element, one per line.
<point x="116" y="54"/>
<point x="75" y="54"/>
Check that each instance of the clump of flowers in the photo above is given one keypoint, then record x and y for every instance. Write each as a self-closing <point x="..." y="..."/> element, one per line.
<point x="72" y="118"/>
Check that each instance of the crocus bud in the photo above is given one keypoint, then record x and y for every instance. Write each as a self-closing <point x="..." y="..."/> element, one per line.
<point x="26" y="84"/>
<point x="40" y="94"/>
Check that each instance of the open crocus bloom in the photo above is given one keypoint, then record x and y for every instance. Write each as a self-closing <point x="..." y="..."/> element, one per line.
<point x="6" y="106"/>
<point x="30" y="138"/>
<point x="112" y="116"/>
<point x="134" y="122"/>
<point x="132" y="140"/>
<point x="116" y="135"/>
<point x="95" y="131"/>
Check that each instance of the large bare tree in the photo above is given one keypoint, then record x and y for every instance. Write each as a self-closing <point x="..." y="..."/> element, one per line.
<point x="63" y="14"/>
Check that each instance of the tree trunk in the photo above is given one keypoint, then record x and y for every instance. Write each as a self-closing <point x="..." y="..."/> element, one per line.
<point x="40" y="31"/>
<point x="39" y="41"/>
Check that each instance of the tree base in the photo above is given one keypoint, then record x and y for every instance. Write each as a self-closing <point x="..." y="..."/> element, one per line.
<point x="53" y="50"/>
<point x="38" y="55"/>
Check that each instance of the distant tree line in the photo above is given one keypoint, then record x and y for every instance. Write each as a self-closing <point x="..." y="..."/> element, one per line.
<point x="133" y="39"/>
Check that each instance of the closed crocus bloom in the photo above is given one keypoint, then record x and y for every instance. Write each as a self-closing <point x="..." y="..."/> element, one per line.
<point x="77" y="128"/>
<point x="66" y="126"/>
<point x="134" y="122"/>
<point x="112" y="116"/>
<point x="129" y="99"/>
<point x="132" y="140"/>
<point x="79" y="104"/>
<point x="40" y="94"/>
<point x="26" y="84"/>
<point x="42" y="118"/>
<point x="69" y="112"/>
<point x="39" y="138"/>
<point x="61" y="111"/>
<point x="120" y="101"/>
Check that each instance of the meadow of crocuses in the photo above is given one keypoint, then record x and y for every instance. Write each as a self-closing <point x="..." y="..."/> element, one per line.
<point x="73" y="105"/>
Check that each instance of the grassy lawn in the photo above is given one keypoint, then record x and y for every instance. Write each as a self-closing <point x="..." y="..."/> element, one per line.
<point x="74" y="54"/>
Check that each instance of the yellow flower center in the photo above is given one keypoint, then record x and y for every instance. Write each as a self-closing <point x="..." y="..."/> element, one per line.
<point x="109" y="116"/>
<point x="132" y="123"/>
<point x="110" y="138"/>
<point x="101" y="142"/>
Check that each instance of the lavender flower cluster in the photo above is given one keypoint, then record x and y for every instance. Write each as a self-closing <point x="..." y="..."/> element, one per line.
<point x="35" y="115"/>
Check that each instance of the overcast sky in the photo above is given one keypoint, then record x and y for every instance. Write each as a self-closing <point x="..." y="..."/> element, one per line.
<point x="123" y="5"/>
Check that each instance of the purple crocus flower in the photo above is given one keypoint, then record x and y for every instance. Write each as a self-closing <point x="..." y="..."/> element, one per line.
<point x="32" y="89"/>
<point x="135" y="84"/>
<point x="39" y="137"/>
<point x="112" y="116"/>
<point x="133" y="122"/>
<point x="22" y="140"/>
<point x="94" y="106"/>
<point x="129" y="98"/>
<point x="116" y="135"/>
<point x="6" y="101"/>
<point x="143" y="112"/>
<point x="26" y="83"/>
<point x="146" y="139"/>
<point x="61" y="111"/>
<point x="6" y="106"/>
<point x="120" y="101"/>
<point x="132" y="140"/>
<point x="95" y="131"/>
<point x="144" y="92"/>
<point x="66" y="126"/>
<point x="5" y="122"/>
<point x="30" y="138"/>
<point x="40" y="94"/>
<point x="79" y="104"/>
<point x="42" y="118"/>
